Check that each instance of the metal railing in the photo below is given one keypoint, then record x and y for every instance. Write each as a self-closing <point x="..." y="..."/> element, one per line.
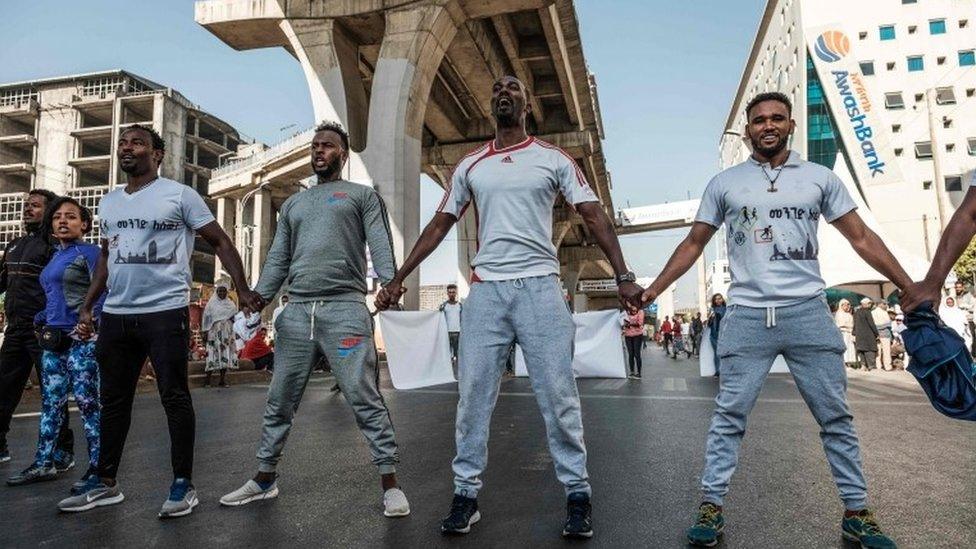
<point x="283" y="147"/>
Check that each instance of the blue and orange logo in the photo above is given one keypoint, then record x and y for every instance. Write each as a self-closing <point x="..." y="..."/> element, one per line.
<point x="832" y="46"/>
<point x="348" y="345"/>
<point x="337" y="197"/>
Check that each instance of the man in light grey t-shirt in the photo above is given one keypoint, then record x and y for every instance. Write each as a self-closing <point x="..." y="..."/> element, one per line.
<point x="452" y="316"/>
<point x="771" y="205"/>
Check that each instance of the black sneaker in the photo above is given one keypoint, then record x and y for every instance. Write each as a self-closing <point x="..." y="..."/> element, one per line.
<point x="4" y="452"/>
<point x="32" y="474"/>
<point x="464" y="513"/>
<point x="579" y="524"/>
<point x="63" y="461"/>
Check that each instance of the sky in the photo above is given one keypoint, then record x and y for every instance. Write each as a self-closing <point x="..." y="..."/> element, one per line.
<point x="666" y="74"/>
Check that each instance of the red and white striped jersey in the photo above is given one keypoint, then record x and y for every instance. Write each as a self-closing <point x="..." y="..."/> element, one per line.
<point x="512" y="192"/>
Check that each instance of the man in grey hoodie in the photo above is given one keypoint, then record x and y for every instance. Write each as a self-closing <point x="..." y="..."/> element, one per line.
<point x="320" y="249"/>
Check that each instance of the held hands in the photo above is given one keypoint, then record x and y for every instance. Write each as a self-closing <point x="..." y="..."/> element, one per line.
<point x="920" y="292"/>
<point x="85" y="328"/>
<point x="630" y="295"/>
<point x="251" y="301"/>
<point x="648" y="296"/>
<point x="389" y="295"/>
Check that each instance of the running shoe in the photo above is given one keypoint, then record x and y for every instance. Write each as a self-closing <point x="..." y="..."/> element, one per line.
<point x="464" y="513"/>
<point x="63" y="460"/>
<point x="182" y="499"/>
<point x="708" y="528"/>
<point x="97" y="496"/>
<point x="579" y="523"/>
<point x="87" y="482"/>
<point x="863" y="529"/>
<point x="395" y="503"/>
<point x="32" y="474"/>
<point x="251" y="491"/>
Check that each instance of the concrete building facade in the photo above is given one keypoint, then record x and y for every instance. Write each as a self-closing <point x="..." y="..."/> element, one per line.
<point x="411" y="81"/>
<point x="884" y="93"/>
<point x="61" y="133"/>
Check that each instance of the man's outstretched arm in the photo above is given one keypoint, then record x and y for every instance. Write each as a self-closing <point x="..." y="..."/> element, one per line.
<point x="871" y="248"/>
<point x="602" y="229"/>
<point x="430" y="238"/>
<point x="681" y="260"/>
<point x="957" y="235"/>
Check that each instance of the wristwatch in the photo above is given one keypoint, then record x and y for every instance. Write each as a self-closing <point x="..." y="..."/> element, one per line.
<point x="629" y="276"/>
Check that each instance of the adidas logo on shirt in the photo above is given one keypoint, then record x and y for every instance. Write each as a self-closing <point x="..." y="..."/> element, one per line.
<point x="508" y="160"/>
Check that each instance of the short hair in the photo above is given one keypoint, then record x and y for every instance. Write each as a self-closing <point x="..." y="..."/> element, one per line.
<point x="770" y="96"/>
<point x="452" y="286"/>
<point x="49" y="196"/>
<point x="335" y="127"/>
<point x="157" y="140"/>
<point x="48" y="224"/>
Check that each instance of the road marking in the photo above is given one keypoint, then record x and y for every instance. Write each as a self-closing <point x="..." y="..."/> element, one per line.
<point x="675" y="384"/>
<point x="658" y="397"/>
<point x="38" y="414"/>
<point x="610" y="384"/>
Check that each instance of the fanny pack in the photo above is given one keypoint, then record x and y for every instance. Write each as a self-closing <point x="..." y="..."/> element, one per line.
<point x="53" y="339"/>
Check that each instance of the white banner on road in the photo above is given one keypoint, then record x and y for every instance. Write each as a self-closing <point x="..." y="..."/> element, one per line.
<point x="418" y="352"/>
<point x="599" y="347"/>
<point x="706" y="359"/>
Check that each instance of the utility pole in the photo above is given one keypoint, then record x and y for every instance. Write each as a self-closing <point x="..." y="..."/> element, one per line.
<point x="939" y="182"/>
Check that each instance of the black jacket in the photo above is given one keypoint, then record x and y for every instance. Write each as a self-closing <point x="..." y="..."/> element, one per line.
<point x="20" y="273"/>
<point x="865" y="331"/>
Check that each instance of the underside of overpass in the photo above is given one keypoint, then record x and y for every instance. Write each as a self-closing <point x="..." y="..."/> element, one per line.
<point x="411" y="81"/>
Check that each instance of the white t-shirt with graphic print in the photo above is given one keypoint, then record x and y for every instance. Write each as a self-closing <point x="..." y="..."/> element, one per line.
<point x="512" y="192"/>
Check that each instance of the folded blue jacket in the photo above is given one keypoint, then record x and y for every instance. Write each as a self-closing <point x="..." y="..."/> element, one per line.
<point x="941" y="363"/>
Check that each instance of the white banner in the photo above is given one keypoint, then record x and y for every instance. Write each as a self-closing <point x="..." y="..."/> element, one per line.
<point x="599" y="347"/>
<point x="866" y="139"/>
<point x="683" y="211"/>
<point x="418" y="352"/>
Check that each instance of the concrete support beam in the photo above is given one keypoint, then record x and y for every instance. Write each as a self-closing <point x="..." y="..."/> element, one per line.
<point x="503" y="26"/>
<point x="579" y="254"/>
<point x="263" y="232"/>
<point x="560" y="60"/>
<point x="225" y="217"/>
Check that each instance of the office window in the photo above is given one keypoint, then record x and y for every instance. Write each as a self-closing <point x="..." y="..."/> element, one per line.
<point x="899" y="152"/>
<point x="887" y="32"/>
<point x="915" y="63"/>
<point x="895" y="128"/>
<point x="926" y="185"/>
<point x="963" y="23"/>
<point x="940" y="60"/>
<point x="953" y="183"/>
<point x="919" y="97"/>
<point x="967" y="58"/>
<point x="867" y="68"/>
<point x="937" y="26"/>
<point x="946" y="122"/>
<point x="945" y="96"/>
<point x="891" y="65"/>
<point x="923" y="149"/>
<point x="909" y="1"/>
<point x="894" y="100"/>
<point x="971" y="146"/>
<point x="862" y="35"/>
<point x="912" y="29"/>
<point x="970" y="92"/>
<point x="950" y="147"/>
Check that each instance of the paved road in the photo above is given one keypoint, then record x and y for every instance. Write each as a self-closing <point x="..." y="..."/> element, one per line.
<point x="645" y="440"/>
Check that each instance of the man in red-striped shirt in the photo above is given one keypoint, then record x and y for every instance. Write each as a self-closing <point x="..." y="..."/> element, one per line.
<point x="511" y="184"/>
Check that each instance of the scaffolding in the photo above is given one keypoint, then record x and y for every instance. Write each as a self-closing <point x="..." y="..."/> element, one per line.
<point x="11" y="213"/>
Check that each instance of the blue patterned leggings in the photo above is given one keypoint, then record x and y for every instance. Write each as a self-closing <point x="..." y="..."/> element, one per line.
<point x="74" y="369"/>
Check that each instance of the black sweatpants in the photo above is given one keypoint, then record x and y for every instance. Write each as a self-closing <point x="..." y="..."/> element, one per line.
<point x="124" y="342"/>
<point x="18" y="354"/>
<point x="634" y="345"/>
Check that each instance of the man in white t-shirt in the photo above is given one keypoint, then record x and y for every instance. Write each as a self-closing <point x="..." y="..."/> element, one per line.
<point x="147" y="234"/>
<point x="452" y="314"/>
<point x="771" y="205"/>
<point x="512" y="184"/>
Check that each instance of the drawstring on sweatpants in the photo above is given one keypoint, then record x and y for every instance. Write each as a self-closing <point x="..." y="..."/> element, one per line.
<point x="311" y="335"/>
<point x="770" y="317"/>
<point x="519" y="283"/>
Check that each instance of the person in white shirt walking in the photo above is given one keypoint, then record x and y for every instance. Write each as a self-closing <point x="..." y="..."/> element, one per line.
<point x="452" y="314"/>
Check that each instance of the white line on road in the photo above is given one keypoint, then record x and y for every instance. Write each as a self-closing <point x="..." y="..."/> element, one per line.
<point x="610" y="384"/>
<point x="675" y="384"/>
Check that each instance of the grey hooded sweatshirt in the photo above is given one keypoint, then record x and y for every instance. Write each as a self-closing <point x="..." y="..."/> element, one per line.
<point x="320" y="244"/>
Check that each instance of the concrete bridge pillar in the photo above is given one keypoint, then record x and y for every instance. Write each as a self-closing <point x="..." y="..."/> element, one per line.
<point x="262" y="227"/>
<point x="226" y="208"/>
<point x="385" y="134"/>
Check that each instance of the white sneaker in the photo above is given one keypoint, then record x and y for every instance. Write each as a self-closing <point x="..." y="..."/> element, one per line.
<point x="395" y="503"/>
<point x="251" y="491"/>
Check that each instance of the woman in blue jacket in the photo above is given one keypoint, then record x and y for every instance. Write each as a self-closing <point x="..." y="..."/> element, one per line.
<point x="68" y="362"/>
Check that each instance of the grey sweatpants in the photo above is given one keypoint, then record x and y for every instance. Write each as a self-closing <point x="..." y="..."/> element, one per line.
<point x="532" y="312"/>
<point x="806" y="336"/>
<point x="343" y="332"/>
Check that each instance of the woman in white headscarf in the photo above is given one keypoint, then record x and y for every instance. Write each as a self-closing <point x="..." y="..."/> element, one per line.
<point x="217" y="326"/>
<point x="845" y="323"/>
<point x="955" y="318"/>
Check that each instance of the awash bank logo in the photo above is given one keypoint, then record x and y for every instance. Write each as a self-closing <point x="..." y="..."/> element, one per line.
<point x="832" y="46"/>
<point x="857" y="106"/>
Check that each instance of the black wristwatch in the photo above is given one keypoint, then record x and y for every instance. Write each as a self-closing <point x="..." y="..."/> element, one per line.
<point x="629" y="276"/>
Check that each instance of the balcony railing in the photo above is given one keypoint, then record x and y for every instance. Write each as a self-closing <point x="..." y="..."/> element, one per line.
<point x="304" y="137"/>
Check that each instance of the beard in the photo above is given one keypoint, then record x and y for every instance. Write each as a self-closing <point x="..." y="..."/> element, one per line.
<point x="769" y="152"/>
<point x="330" y="170"/>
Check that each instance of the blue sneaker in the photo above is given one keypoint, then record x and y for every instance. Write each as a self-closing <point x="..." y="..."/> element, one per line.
<point x="86" y="483"/>
<point x="708" y="527"/>
<point x="63" y="460"/>
<point x="182" y="499"/>
<point x="863" y="529"/>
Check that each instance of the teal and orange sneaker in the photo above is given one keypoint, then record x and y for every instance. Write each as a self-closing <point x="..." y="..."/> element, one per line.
<point x="863" y="529"/>
<point x="708" y="527"/>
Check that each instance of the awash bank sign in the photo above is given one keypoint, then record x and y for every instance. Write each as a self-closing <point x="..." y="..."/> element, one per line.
<point x="867" y="141"/>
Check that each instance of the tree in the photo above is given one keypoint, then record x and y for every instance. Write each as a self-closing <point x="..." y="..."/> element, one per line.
<point x="965" y="268"/>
